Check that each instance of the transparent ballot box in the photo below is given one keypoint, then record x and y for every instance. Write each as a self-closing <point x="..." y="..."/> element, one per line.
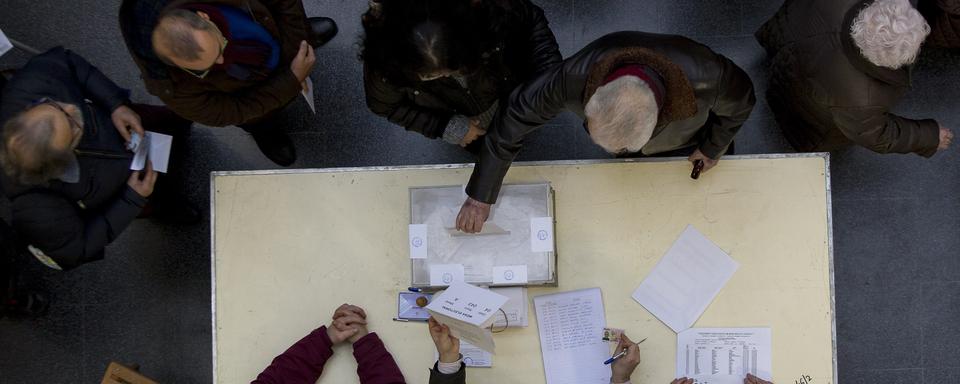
<point x="504" y="242"/>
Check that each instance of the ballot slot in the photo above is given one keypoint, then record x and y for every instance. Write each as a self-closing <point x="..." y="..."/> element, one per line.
<point x="507" y="239"/>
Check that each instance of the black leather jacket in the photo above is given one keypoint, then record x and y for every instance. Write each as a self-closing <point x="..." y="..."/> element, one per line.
<point x="73" y="222"/>
<point x="528" y="47"/>
<point x="707" y="100"/>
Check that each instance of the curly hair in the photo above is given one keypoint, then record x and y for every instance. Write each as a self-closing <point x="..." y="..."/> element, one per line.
<point x="889" y="33"/>
<point x="405" y="38"/>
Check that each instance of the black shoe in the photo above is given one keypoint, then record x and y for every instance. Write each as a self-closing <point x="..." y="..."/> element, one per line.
<point x="172" y="208"/>
<point x="322" y="30"/>
<point x="276" y="146"/>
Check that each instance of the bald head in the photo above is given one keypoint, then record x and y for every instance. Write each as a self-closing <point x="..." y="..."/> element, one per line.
<point x="37" y="145"/>
<point x="187" y="39"/>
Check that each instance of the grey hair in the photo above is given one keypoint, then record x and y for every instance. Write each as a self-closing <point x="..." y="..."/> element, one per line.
<point x="175" y="29"/>
<point x="622" y="114"/>
<point x="26" y="153"/>
<point x="889" y="33"/>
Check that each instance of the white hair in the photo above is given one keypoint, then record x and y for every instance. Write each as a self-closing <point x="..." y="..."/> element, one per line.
<point x="622" y="114"/>
<point x="889" y="33"/>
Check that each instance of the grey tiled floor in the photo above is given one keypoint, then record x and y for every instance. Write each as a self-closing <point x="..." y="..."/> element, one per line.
<point x="896" y="218"/>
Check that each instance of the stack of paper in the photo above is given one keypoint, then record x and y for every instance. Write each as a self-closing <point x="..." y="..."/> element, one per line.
<point x="723" y="355"/>
<point x="571" y="330"/>
<point x="468" y="311"/>
<point x="685" y="280"/>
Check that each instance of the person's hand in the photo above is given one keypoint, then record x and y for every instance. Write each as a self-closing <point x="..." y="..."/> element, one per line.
<point x="474" y="133"/>
<point x="624" y="366"/>
<point x="126" y="121"/>
<point x="707" y="162"/>
<point x="682" y="380"/>
<point x="305" y="88"/>
<point x="349" y="324"/>
<point x="751" y="379"/>
<point x="447" y="345"/>
<point x="946" y="138"/>
<point x="472" y="215"/>
<point x="303" y="62"/>
<point x="142" y="181"/>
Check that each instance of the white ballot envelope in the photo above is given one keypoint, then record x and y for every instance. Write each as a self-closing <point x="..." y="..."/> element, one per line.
<point x="468" y="311"/>
<point x="5" y="44"/>
<point x="156" y="147"/>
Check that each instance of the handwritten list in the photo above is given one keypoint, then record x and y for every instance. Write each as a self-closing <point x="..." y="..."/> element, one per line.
<point x="571" y="326"/>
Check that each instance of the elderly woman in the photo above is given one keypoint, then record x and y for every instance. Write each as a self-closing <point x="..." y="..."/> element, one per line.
<point x="439" y="67"/>
<point x="839" y="67"/>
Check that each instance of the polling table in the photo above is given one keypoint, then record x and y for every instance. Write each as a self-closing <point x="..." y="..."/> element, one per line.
<point x="290" y="246"/>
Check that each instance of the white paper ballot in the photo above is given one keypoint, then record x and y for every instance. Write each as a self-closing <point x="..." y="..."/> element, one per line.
<point x="308" y="95"/>
<point x="5" y="44"/>
<point x="571" y="330"/>
<point x="472" y="356"/>
<point x="511" y="274"/>
<point x="156" y="147"/>
<point x="685" y="280"/>
<point x="418" y="241"/>
<point x="541" y="234"/>
<point x="468" y="311"/>
<point x="515" y="309"/>
<point x="723" y="355"/>
<point x="446" y="274"/>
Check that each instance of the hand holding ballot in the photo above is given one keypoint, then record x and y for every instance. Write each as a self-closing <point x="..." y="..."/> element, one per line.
<point x="447" y="346"/>
<point x="623" y="367"/>
<point x="472" y="215"/>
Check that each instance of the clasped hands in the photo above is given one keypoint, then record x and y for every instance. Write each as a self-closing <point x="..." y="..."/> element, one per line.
<point x="349" y="324"/>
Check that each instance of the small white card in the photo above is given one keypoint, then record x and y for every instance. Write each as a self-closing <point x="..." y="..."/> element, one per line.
<point x="446" y="274"/>
<point x="5" y="44"/>
<point x="541" y="234"/>
<point x="156" y="148"/>
<point x="511" y="274"/>
<point x="418" y="241"/>
<point x="308" y="95"/>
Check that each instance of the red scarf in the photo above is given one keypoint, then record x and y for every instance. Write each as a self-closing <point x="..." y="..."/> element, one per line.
<point x="640" y="71"/>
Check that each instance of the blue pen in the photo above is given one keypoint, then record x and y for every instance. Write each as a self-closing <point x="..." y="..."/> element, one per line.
<point x="414" y="289"/>
<point x="621" y="354"/>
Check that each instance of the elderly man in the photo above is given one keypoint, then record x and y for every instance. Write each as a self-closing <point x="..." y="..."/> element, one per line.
<point x="839" y="67"/>
<point x="66" y="166"/>
<point x="227" y="62"/>
<point x="640" y="93"/>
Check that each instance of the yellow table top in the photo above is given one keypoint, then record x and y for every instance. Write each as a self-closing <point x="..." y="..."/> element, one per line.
<point x="291" y="246"/>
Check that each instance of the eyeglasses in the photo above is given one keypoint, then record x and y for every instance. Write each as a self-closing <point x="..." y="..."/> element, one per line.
<point x="76" y="129"/>
<point x="223" y="47"/>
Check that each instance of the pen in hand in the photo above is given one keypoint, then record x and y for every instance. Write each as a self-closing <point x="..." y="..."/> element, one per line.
<point x="621" y="354"/>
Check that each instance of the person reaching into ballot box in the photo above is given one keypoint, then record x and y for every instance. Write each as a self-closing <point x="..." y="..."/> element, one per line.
<point x="639" y="93"/>
<point x="303" y="362"/>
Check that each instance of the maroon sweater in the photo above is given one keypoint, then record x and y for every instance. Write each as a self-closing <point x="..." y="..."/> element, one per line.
<point x="303" y="362"/>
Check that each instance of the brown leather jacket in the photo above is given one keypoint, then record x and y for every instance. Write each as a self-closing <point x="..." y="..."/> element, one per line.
<point x="707" y="100"/>
<point x="825" y="94"/>
<point x="218" y="99"/>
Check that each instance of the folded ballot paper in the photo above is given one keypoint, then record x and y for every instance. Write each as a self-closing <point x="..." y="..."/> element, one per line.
<point x="155" y="146"/>
<point x="469" y="312"/>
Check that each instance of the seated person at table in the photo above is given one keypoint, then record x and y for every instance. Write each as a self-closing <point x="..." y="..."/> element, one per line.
<point x="440" y="67"/>
<point x="303" y="362"/>
<point x="639" y="94"/>
<point x="66" y="167"/>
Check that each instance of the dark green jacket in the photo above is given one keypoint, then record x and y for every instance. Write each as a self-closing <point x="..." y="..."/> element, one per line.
<point x="825" y="94"/>
<point x="454" y="378"/>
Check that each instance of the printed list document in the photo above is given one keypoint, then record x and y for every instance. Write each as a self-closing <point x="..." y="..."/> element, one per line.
<point x="723" y="355"/>
<point x="571" y="337"/>
<point x="685" y="280"/>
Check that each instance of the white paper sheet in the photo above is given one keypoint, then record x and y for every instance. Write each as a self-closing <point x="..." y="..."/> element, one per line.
<point x="724" y="355"/>
<point x="445" y="274"/>
<point x="510" y="274"/>
<point x="468" y="311"/>
<point x="472" y="356"/>
<point x="418" y="241"/>
<point x="571" y="327"/>
<point x="541" y="234"/>
<point x="685" y="280"/>
<point x="156" y="147"/>
<point x="308" y="95"/>
<point x="5" y="44"/>
<point x="515" y="309"/>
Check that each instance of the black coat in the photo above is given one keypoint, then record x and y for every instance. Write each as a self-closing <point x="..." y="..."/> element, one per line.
<point x="944" y="19"/>
<point x="825" y="94"/>
<point x="708" y="98"/>
<point x="528" y="47"/>
<point x="460" y="377"/>
<point x="72" y="223"/>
